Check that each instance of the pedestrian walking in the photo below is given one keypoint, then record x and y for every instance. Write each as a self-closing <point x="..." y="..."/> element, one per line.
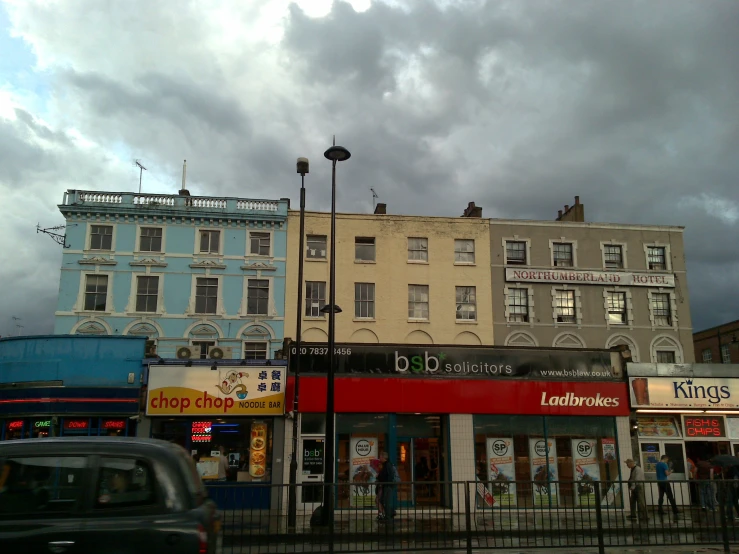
<point x="638" y="499"/>
<point x="663" y="472"/>
<point x="388" y="478"/>
<point x="704" y="473"/>
<point x="731" y="474"/>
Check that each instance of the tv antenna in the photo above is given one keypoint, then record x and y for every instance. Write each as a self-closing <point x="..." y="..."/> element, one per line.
<point x="56" y="237"/>
<point x="374" y="199"/>
<point x="141" y="171"/>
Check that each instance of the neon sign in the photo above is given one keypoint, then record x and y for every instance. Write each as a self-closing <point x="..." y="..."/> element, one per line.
<point x="114" y="424"/>
<point x="45" y="424"/>
<point x="704" y="427"/>
<point x="15" y="425"/>
<point x="76" y="423"/>
<point x="201" y="431"/>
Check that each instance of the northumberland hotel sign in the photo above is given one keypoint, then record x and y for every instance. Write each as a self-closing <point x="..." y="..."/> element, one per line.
<point x="580" y="277"/>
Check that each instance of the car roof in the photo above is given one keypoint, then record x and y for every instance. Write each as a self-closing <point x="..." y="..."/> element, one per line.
<point x="89" y="445"/>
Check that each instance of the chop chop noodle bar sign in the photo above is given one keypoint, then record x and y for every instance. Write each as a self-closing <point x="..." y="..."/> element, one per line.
<point x="228" y="391"/>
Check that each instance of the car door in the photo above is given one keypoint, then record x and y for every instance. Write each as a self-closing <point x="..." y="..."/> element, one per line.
<point x="40" y="501"/>
<point x="132" y="510"/>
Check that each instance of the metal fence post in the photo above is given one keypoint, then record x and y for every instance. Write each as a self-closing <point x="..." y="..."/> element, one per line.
<point x="468" y="517"/>
<point x="599" y="518"/>
<point x="722" y="492"/>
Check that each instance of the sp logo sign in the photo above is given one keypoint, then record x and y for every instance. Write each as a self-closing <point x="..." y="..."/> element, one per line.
<point x="500" y="447"/>
<point x="363" y="447"/>
<point x="540" y="448"/>
<point x="584" y="449"/>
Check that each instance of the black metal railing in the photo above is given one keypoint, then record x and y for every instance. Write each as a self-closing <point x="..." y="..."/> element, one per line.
<point x="467" y="516"/>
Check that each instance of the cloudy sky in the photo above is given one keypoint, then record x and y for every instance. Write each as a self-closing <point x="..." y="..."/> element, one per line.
<point x="516" y="105"/>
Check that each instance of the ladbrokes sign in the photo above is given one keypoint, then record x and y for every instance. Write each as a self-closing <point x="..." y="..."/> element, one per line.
<point x="436" y="361"/>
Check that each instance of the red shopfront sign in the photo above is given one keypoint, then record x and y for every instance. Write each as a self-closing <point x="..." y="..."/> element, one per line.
<point x="448" y="396"/>
<point x="76" y="423"/>
<point x="114" y="424"/>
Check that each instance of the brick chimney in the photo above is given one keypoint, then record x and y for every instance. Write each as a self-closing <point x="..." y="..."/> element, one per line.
<point x="381" y="208"/>
<point x="472" y="211"/>
<point x="574" y="213"/>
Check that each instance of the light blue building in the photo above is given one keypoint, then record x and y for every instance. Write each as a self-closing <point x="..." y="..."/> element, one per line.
<point x="201" y="277"/>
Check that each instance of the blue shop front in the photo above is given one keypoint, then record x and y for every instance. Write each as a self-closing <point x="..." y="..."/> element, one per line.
<point x="69" y="385"/>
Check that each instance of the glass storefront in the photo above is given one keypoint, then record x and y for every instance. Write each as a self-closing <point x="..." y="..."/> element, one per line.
<point x="415" y="442"/>
<point x="556" y="457"/>
<point x="63" y="426"/>
<point x="246" y="442"/>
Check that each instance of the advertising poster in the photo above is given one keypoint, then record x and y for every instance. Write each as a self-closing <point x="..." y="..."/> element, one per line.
<point x="258" y="450"/>
<point x="501" y="470"/>
<point x="229" y="391"/>
<point x="362" y="451"/>
<point x="609" y="450"/>
<point x="587" y="470"/>
<point x="545" y="489"/>
<point x="208" y="468"/>
<point x="313" y="456"/>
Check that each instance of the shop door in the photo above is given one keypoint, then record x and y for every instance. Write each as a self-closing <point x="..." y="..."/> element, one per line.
<point x="418" y="465"/>
<point x="405" y="470"/>
<point x="310" y="471"/>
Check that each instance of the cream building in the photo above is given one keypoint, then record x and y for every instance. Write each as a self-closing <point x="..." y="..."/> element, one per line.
<point x="572" y="284"/>
<point x="399" y="279"/>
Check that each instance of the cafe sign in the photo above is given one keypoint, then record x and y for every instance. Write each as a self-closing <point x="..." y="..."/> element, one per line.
<point x="402" y="360"/>
<point x="227" y="391"/>
<point x="580" y="277"/>
<point x="684" y="392"/>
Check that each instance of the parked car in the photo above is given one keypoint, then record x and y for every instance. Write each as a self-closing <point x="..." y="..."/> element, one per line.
<point x="103" y="495"/>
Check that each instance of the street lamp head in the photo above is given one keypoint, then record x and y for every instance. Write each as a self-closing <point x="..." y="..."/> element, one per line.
<point x="337" y="154"/>
<point x="327" y="309"/>
<point x="303" y="166"/>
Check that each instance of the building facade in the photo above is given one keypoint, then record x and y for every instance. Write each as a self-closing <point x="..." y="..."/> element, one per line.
<point x="572" y="284"/>
<point x="408" y="279"/>
<point x="718" y="345"/>
<point x="197" y="276"/>
<point x="52" y="386"/>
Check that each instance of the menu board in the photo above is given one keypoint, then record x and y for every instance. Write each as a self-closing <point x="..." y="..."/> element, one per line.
<point x="649" y="457"/>
<point x="657" y="427"/>
<point x="208" y="468"/>
<point x="732" y="424"/>
<point x="258" y="454"/>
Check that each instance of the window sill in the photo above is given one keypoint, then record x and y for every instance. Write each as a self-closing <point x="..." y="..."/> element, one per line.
<point x="148" y="252"/>
<point x="255" y="315"/>
<point x="466" y="321"/>
<point x="465" y="263"/>
<point x="313" y="318"/>
<point x="510" y="264"/>
<point x="324" y="260"/>
<point x="91" y="313"/>
<point x="365" y="261"/>
<point x="258" y="257"/>
<point x="364" y="319"/>
<point x="209" y="254"/>
<point x="411" y="320"/>
<point x="418" y="262"/>
<point x="145" y="314"/>
<point x="525" y="323"/>
<point x="91" y="251"/>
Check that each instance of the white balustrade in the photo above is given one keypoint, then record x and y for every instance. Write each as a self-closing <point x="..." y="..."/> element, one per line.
<point x="257" y="205"/>
<point x="101" y="197"/>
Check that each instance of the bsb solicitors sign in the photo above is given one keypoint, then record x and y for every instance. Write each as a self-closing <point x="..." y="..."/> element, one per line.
<point x="578" y="277"/>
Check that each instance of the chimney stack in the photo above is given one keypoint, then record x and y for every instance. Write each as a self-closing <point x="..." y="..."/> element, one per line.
<point x="472" y="211"/>
<point x="575" y="213"/>
<point x="381" y="208"/>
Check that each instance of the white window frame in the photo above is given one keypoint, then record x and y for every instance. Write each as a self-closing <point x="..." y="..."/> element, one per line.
<point x="88" y="239"/>
<point x="709" y="358"/>
<point x="474" y="252"/>
<point x="271" y="243"/>
<point x="131" y="308"/>
<point x="109" y="305"/>
<point x="374" y="301"/>
<point x="530" y="294"/>
<point x="516" y="238"/>
<point x="219" y="299"/>
<point x="725" y="354"/>
<point x="306" y="299"/>
<point x="474" y="320"/>
<point x="665" y="350"/>
<point x="552" y="242"/>
<point x="658" y="345"/>
<point x="137" y="245"/>
<point x="629" y="304"/>
<point x="410" y="261"/>
<point x="624" y="257"/>
<point x="578" y="305"/>
<point x="668" y="255"/>
<point x="316" y="258"/>
<point x="267" y="350"/>
<point x="673" y="308"/>
<point x="428" y="291"/>
<point x="269" y="295"/>
<point x="221" y="240"/>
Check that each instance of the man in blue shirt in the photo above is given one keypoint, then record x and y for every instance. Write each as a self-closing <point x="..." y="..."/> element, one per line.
<point x="663" y="471"/>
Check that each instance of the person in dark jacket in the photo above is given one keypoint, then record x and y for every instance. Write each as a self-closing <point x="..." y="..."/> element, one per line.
<point x="387" y="480"/>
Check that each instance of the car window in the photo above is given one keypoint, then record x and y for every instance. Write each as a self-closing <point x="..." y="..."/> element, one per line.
<point x="41" y="486"/>
<point x="124" y="482"/>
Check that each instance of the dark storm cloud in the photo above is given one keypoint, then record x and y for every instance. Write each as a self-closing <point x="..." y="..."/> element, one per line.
<point x="518" y="106"/>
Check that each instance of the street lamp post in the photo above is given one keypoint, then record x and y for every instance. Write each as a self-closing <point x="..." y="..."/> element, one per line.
<point x="292" y="498"/>
<point x="335" y="154"/>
